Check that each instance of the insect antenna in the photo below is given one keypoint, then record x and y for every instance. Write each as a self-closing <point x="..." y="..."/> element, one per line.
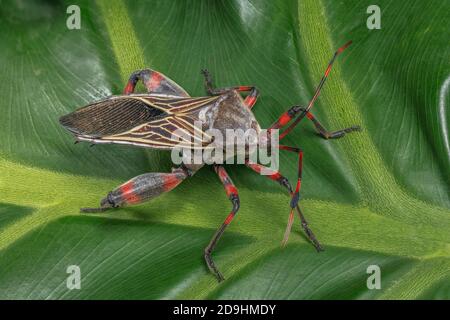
<point x="316" y="94"/>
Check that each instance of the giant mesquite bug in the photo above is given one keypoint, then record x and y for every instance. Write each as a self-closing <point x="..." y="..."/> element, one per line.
<point x="149" y="120"/>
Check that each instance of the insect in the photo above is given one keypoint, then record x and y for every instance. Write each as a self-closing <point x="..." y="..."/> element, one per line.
<point x="149" y="120"/>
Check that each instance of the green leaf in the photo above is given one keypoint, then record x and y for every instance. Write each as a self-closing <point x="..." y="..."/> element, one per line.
<point x="376" y="197"/>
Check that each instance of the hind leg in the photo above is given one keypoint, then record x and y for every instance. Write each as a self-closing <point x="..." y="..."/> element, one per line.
<point x="140" y="189"/>
<point x="155" y="82"/>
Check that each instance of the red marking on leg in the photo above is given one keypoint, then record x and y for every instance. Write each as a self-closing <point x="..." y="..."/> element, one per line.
<point x="222" y="174"/>
<point x="250" y="101"/>
<point x="170" y="182"/>
<point x="230" y="189"/>
<point x="229" y="218"/>
<point x="291" y="217"/>
<point x="128" y="193"/>
<point x="292" y="149"/>
<point x="309" y="116"/>
<point x="155" y="81"/>
<point x="129" y="88"/>
<point x="344" y="47"/>
<point x="244" y="88"/>
<point x="256" y="167"/>
<point x="300" y="164"/>
<point x="275" y="176"/>
<point x="299" y="184"/>
<point x="328" y="70"/>
<point x="284" y="119"/>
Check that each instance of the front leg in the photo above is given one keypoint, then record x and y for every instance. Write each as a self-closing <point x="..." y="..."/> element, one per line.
<point x="300" y="113"/>
<point x="249" y="101"/>
<point x="140" y="189"/>
<point x="324" y="133"/>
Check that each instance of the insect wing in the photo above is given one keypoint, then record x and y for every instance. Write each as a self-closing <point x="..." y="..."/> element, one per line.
<point x="143" y="120"/>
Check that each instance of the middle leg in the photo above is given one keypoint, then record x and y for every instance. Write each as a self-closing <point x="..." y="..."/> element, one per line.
<point x="284" y="182"/>
<point x="232" y="194"/>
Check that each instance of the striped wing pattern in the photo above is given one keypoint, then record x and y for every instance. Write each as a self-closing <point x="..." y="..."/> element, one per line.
<point x="178" y="113"/>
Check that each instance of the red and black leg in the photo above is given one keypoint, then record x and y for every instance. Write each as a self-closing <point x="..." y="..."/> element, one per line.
<point x="232" y="194"/>
<point x="299" y="113"/>
<point x="324" y="132"/>
<point x="249" y="101"/>
<point x="284" y="182"/>
<point x="140" y="189"/>
<point x="155" y="82"/>
<point x="286" y="117"/>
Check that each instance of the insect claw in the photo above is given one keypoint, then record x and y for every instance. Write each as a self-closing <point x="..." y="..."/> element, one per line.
<point x="91" y="145"/>
<point x="76" y="141"/>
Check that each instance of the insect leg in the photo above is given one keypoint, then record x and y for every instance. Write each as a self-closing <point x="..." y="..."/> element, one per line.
<point x="155" y="82"/>
<point x="284" y="182"/>
<point x="299" y="113"/>
<point x="317" y="92"/>
<point x="232" y="194"/>
<point x="134" y="78"/>
<point x="286" y="117"/>
<point x="140" y="189"/>
<point x="324" y="132"/>
<point x="249" y="101"/>
<point x="296" y="193"/>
